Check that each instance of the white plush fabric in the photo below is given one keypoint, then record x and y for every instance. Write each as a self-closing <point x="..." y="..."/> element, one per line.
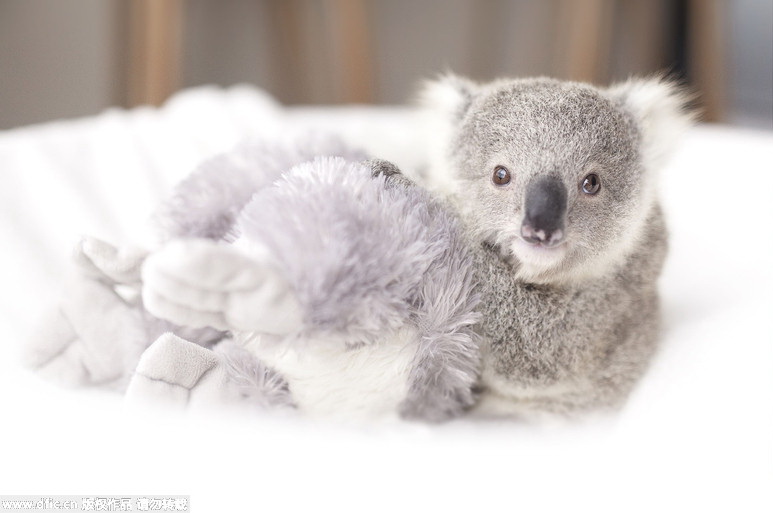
<point x="697" y="434"/>
<point x="177" y="374"/>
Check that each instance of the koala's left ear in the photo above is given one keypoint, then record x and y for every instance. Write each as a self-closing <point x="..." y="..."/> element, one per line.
<point x="660" y="108"/>
<point x="450" y="96"/>
<point x="444" y="101"/>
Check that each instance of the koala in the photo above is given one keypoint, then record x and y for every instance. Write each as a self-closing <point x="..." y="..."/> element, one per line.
<point x="556" y="184"/>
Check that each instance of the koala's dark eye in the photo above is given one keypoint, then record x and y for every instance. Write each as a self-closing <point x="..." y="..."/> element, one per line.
<point x="591" y="184"/>
<point x="501" y="176"/>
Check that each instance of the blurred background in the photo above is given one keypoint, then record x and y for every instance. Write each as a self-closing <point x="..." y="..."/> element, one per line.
<point x="63" y="59"/>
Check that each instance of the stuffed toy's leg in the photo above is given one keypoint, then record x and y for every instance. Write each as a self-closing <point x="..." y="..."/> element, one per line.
<point x="337" y="251"/>
<point x="207" y="203"/>
<point x="446" y="364"/>
<point x="95" y="336"/>
<point x="100" y="328"/>
<point x="178" y="373"/>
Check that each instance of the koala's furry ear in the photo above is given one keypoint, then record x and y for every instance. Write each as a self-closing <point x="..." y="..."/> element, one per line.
<point x="444" y="102"/>
<point x="449" y="95"/>
<point x="662" y="111"/>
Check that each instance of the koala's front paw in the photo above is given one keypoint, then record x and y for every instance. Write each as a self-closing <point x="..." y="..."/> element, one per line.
<point x="198" y="282"/>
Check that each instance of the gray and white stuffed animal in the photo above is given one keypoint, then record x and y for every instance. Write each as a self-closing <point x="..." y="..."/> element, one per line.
<point x="287" y="275"/>
<point x="557" y="185"/>
<point x="351" y="285"/>
<point x="526" y="283"/>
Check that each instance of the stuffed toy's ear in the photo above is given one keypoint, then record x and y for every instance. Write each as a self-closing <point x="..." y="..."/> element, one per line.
<point x="449" y="95"/>
<point x="661" y="110"/>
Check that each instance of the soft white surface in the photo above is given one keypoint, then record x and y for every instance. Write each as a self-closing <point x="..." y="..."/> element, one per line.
<point x="697" y="435"/>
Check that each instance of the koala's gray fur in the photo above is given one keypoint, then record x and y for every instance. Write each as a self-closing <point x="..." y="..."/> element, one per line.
<point x="572" y="327"/>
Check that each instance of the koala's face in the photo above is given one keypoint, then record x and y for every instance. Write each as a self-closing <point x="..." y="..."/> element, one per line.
<point x="551" y="173"/>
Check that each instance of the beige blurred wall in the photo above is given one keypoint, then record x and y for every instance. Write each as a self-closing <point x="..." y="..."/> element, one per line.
<point x="62" y="59"/>
<point x="59" y="59"/>
<point x="408" y="41"/>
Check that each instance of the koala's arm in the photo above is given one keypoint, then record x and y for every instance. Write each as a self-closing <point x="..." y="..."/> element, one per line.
<point x="390" y="172"/>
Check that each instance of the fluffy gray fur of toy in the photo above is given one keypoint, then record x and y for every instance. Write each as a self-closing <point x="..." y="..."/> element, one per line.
<point x="207" y="203"/>
<point x="262" y="386"/>
<point x="365" y="251"/>
<point x="570" y="329"/>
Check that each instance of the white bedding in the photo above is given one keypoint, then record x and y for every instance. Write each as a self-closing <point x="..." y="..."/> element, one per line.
<point x="696" y="435"/>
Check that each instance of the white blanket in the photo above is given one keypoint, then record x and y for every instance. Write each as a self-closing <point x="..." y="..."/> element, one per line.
<point x="697" y="434"/>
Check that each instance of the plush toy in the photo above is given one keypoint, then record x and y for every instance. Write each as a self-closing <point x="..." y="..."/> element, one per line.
<point x="286" y="279"/>
<point x="304" y="276"/>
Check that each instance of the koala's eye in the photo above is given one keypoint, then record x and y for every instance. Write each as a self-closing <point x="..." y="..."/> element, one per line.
<point x="501" y="176"/>
<point x="591" y="184"/>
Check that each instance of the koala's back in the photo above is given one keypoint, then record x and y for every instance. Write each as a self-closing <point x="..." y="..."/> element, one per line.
<point x="569" y="348"/>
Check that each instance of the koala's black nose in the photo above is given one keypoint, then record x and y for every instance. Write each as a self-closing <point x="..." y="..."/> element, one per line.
<point x="545" y="211"/>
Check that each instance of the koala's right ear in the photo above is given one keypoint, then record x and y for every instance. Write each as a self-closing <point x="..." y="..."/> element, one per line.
<point x="662" y="111"/>
<point x="449" y="95"/>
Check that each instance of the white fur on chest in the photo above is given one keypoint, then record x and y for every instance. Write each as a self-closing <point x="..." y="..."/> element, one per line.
<point x="328" y="378"/>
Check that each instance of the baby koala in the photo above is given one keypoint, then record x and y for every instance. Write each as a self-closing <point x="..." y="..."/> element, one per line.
<point x="556" y="184"/>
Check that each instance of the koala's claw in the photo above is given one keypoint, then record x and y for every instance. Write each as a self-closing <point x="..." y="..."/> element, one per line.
<point x="198" y="282"/>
